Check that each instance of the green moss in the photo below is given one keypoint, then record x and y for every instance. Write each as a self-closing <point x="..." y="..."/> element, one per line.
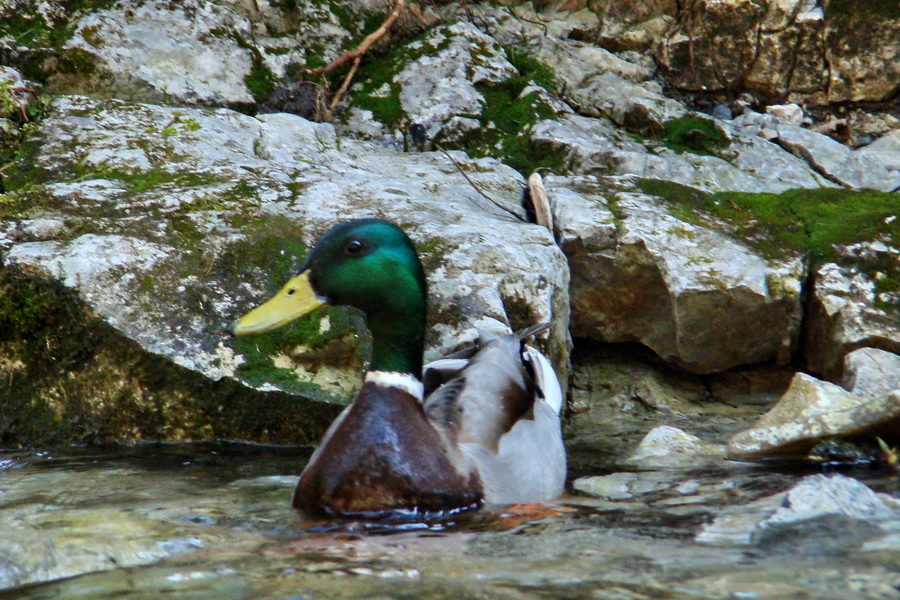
<point x="24" y="203"/>
<point x="505" y="131"/>
<point x="139" y="181"/>
<point x="178" y="123"/>
<point x="26" y="306"/>
<point x="507" y="117"/>
<point x="387" y="109"/>
<point x="313" y="57"/>
<point x="431" y="253"/>
<point x="812" y="222"/>
<point x="29" y="27"/>
<point x="19" y="167"/>
<point x="520" y="312"/>
<point x="260" y="80"/>
<point x="377" y="74"/>
<point x="74" y="61"/>
<point x="8" y="106"/>
<point x="260" y="350"/>
<point x="379" y="93"/>
<point x="90" y="36"/>
<point x="695" y="134"/>
<point x="71" y="378"/>
<point x="25" y="28"/>
<point x="532" y="69"/>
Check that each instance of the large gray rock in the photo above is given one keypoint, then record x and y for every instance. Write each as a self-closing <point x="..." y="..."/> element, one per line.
<point x="596" y="146"/>
<point x="811" y="411"/>
<point x="436" y="87"/>
<point x="872" y="167"/>
<point x="177" y="52"/>
<point x="168" y="252"/>
<point x="871" y="373"/>
<point x="693" y="294"/>
<point x="847" y="311"/>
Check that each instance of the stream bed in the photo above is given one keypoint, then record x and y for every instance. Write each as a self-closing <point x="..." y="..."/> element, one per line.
<point x="213" y="521"/>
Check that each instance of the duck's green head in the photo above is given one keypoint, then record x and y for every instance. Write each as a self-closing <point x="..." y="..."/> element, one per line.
<point x="367" y="263"/>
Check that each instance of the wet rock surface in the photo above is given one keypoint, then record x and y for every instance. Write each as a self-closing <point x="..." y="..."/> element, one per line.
<point x="812" y="411"/>
<point x="797" y="49"/>
<point x="847" y="312"/>
<point x="871" y="373"/>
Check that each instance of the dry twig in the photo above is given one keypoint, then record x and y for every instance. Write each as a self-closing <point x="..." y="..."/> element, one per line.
<point x="355" y="55"/>
<point x="344" y="87"/>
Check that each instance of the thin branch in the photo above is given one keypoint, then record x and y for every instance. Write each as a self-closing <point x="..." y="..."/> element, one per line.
<point x="358" y="52"/>
<point x="472" y="183"/>
<point x="344" y="88"/>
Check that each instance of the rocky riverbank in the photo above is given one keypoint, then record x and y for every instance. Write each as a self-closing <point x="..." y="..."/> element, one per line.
<point x="722" y="271"/>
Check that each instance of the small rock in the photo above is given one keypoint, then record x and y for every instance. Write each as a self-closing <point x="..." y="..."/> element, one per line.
<point x="818" y="495"/>
<point x="42" y="228"/>
<point x="623" y="486"/>
<point x="721" y="111"/>
<point x="812" y="410"/>
<point x="791" y="113"/>
<point x="823" y="515"/>
<point x="614" y="487"/>
<point x="15" y="93"/>
<point x="668" y="446"/>
<point x="871" y="373"/>
<point x="819" y="515"/>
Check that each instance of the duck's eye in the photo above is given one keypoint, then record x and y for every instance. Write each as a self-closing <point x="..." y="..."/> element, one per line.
<point x="354" y="247"/>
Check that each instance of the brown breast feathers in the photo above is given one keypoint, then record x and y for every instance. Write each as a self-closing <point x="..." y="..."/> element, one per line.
<point x="382" y="457"/>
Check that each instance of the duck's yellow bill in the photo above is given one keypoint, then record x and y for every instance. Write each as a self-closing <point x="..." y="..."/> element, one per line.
<point x="295" y="299"/>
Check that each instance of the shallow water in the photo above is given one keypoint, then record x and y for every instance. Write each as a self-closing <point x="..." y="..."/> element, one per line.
<point x="211" y="521"/>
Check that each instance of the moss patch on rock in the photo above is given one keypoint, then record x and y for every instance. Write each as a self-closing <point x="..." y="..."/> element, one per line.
<point x="44" y="32"/>
<point x="508" y="116"/>
<point x="695" y="134"/>
<point x="270" y="254"/>
<point x="70" y="378"/>
<point x="378" y="91"/>
<point x="814" y="222"/>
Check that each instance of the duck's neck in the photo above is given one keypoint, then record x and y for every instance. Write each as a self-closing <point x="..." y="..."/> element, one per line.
<point x="398" y="336"/>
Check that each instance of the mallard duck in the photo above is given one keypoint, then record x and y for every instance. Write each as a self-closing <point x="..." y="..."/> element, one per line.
<point x="480" y="426"/>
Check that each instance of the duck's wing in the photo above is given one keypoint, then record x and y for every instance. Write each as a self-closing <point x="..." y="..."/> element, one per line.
<point x="501" y="409"/>
<point x="485" y="398"/>
<point x="478" y="395"/>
